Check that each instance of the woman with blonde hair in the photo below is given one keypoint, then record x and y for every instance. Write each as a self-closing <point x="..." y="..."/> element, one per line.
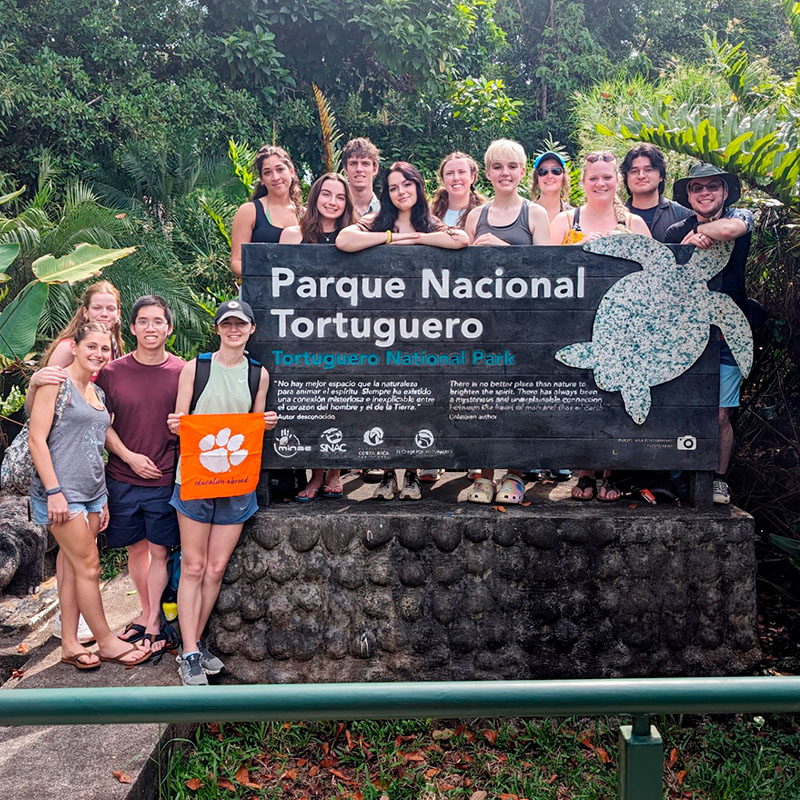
<point x="456" y="197"/>
<point x="550" y="183"/>
<point x="276" y="203"/>
<point x="602" y="214"/>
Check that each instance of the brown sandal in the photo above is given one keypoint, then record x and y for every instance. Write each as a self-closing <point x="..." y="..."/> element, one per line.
<point x="75" y="661"/>
<point x="128" y="664"/>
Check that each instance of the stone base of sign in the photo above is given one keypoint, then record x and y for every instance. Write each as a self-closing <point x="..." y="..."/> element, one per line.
<point x="444" y="590"/>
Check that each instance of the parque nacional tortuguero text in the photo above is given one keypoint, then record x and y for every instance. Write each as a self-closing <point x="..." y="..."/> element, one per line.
<point x="425" y="357"/>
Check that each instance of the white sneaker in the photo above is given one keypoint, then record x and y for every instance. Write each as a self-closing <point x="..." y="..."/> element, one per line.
<point x="430" y="475"/>
<point x="721" y="492"/>
<point x="388" y="487"/>
<point x="85" y="635"/>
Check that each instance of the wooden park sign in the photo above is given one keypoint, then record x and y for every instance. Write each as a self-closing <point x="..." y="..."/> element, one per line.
<point x="489" y="356"/>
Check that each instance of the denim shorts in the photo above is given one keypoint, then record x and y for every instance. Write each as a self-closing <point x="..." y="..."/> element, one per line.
<point x="92" y="507"/>
<point x="730" y="380"/>
<point x="217" y="510"/>
<point x="140" y="512"/>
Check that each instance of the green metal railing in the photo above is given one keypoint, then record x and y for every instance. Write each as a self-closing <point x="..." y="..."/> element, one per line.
<point x="641" y="758"/>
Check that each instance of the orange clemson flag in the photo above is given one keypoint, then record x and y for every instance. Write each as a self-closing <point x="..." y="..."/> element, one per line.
<point x="220" y="454"/>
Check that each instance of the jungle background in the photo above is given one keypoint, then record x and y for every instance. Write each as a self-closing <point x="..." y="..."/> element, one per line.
<point x="133" y="124"/>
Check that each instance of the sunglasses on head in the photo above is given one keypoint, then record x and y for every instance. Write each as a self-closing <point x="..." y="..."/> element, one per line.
<point x="542" y="171"/>
<point x="593" y="158"/>
<point x="712" y="186"/>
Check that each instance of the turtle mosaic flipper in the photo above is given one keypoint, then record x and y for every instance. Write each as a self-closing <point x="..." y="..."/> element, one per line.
<point x="731" y="320"/>
<point x="652" y="326"/>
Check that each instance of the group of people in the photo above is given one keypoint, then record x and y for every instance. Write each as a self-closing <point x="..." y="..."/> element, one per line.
<point x="344" y="210"/>
<point x="90" y="396"/>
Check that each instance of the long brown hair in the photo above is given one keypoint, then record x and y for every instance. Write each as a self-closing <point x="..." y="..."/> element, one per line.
<point x="80" y="319"/>
<point x="441" y="200"/>
<point x="311" y="224"/>
<point x="295" y="190"/>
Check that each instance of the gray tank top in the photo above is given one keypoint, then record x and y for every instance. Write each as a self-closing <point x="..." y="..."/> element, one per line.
<point x="76" y="448"/>
<point x="518" y="232"/>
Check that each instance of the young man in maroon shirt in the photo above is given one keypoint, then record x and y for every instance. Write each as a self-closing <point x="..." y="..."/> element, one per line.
<point x="141" y="389"/>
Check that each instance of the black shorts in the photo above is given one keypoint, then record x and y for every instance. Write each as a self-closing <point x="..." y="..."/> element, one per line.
<point x="140" y="512"/>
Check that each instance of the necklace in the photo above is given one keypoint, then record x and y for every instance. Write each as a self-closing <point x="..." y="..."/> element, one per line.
<point x="327" y="238"/>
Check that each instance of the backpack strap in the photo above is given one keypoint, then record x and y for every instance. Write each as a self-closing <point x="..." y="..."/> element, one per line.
<point x="202" y="372"/>
<point x="253" y="379"/>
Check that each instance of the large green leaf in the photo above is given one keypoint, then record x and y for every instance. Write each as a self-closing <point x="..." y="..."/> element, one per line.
<point x="85" y="261"/>
<point x="8" y="252"/>
<point x="6" y="197"/>
<point x="20" y="319"/>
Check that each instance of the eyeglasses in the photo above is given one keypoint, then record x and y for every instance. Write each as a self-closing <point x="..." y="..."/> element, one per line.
<point x="593" y="158"/>
<point x="542" y="171"/>
<point x="711" y="186"/>
<point x="647" y="171"/>
<point x="158" y="324"/>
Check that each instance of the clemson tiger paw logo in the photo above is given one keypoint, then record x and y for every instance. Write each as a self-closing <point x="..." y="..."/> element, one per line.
<point x="221" y="452"/>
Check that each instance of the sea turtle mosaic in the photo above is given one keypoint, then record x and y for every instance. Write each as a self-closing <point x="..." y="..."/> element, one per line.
<point x="651" y="326"/>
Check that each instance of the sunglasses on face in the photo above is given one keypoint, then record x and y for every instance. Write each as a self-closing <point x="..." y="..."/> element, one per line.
<point x="711" y="186"/>
<point x="542" y="171"/>
<point x="593" y="158"/>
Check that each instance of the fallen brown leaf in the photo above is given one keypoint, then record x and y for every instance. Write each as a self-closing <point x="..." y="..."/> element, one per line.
<point x="479" y="795"/>
<point x="633" y="505"/>
<point x="682" y="776"/>
<point x="553" y="779"/>
<point x="673" y="757"/>
<point x="301" y="762"/>
<point x="603" y="755"/>
<point x="242" y="775"/>
<point x="194" y="784"/>
<point x="313" y="770"/>
<point x="444" y="733"/>
<point x="502" y="509"/>
<point x="224" y="783"/>
<point x="509" y="797"/>
<point x="289" y="775"/>
<point x="122" y="777"/>
<point x="430" y="773"/>
<point x="349" y="739"/>
<point x="526" y="503"/>
<point x="447" y="787"/>
<point x="490" y="736"/>
<point x="339" y="774"/>
<point x="24" y="648"/>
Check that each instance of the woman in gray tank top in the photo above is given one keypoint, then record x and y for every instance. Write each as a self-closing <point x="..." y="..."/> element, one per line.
<point x="68" y="492"/>
<point x="507" y="219"/>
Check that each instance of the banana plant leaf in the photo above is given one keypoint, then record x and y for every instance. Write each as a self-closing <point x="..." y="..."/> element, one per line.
<point x="20" y="319"/>
<point x="85" y="261"/>
<point x="8" y="252"/>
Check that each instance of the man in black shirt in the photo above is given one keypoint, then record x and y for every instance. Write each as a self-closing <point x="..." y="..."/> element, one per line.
<point x="644" y="170"/>
<point x="710" y="192"/>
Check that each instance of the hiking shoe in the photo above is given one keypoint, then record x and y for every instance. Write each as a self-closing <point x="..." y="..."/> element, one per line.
<point x="721" y="492"/>
<point x="211" y="664"/>
<point x="374" y="475"/>
<point x="412" y="489"/>
<point x="388" y="488"/>
<point x="191" y="670"/>
<point x="85" y="635"/>
<point x="430" y="475"/>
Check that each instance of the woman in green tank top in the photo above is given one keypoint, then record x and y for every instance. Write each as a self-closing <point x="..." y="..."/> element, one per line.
<point x="211" y="528"/>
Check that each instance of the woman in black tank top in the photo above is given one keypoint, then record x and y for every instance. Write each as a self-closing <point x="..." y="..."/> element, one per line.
<point x="276" y="204"/>
<point x="330" y="208"/>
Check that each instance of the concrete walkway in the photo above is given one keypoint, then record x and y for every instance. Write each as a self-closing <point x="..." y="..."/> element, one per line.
<point x="78" y="761"/>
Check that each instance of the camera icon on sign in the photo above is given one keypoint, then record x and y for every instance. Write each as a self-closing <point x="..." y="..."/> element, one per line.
<point x="687" y="443"/>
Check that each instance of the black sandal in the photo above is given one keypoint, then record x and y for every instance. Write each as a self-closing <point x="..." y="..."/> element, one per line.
<point x="585" y="482"/>
<point x="138" y="633"/>
<point x="609" y="486"/>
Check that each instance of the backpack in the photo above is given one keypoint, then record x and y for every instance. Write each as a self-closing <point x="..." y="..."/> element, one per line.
<point x="17" y="468"/>
<point x="202" y="373"/>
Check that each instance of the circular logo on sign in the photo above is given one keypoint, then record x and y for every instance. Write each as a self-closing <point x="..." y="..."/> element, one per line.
<point x="424" y="438"/>
<point x="286" y="444"/>
<point x="332" y="435"/>
<point x="374" y="436"/>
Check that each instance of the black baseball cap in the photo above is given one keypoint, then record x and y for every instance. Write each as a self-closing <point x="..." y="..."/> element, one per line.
<point x="234" y="308"/>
